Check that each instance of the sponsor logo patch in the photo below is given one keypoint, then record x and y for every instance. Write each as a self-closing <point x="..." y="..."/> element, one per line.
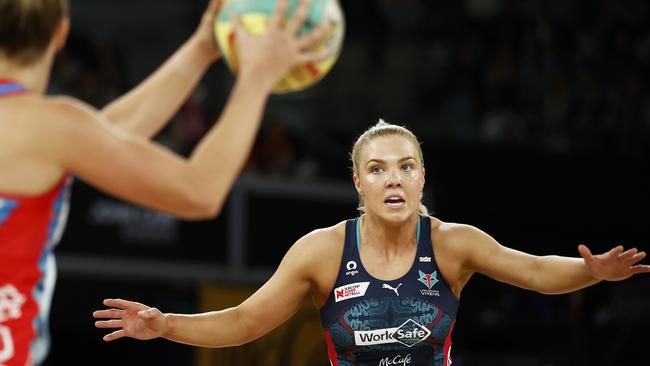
<point x="396" y="360"/>
<point x="351" y="268"/>
<point x="425" y="259"/>
<point x="6" y="344"/>
<point x="409" y="334"/>
<point x="394" y="289"/>
<point x="350" y="291"/>
<point x="11" y="302"/>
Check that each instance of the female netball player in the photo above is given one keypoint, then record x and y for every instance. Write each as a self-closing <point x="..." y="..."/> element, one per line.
<point x="45" y="140"/>
<point x="387" y="283"/>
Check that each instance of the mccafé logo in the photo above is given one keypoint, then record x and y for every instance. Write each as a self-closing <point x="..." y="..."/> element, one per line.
<point x="397" y="360"/>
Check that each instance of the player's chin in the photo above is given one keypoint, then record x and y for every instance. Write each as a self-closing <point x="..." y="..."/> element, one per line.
<point x="397" y="215"/>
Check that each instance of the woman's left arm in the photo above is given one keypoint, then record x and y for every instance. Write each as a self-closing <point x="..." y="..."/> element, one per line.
<point x="545" y="274"/>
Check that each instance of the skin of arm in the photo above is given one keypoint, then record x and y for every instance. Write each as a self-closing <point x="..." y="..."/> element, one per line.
<point x="478" y="252"/>
<point x="149" y="106"/>
<point x="275" y="302"/>
<point x="309" y="266"/>
<point x="77" y="139"/>
<point x="146" y="173"/>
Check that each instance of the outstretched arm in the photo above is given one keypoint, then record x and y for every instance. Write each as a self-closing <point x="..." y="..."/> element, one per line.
<point x="149" y="106"/>
<point x="267" y="308"/>
<point x="546" y="274"/>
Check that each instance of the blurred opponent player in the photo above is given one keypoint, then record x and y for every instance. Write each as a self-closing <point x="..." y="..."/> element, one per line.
<point x="45" y="140"/>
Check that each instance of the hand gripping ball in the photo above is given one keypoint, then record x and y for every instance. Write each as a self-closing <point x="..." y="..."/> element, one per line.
<point x="256" y="14"/>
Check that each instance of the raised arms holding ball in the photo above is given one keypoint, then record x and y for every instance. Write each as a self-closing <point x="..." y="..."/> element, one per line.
<point x="45" y="140"/>
<point x="77" y="139"/>
<point x="198" y="186"/>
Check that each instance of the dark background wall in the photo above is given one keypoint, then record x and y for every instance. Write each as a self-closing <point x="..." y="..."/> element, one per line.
<point x="535" y="124"/>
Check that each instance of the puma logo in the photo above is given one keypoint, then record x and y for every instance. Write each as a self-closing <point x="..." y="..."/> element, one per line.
<point x="394" y="289"/>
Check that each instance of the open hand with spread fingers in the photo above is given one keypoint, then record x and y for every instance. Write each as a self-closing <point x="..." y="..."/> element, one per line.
<point x="131" y="319"/>
<point x="615" y="265"/>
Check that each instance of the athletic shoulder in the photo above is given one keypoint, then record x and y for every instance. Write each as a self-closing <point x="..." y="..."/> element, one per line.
<point x="451" y="230"/>
<point x="37" y="121"/>
<point x="317" y="252"/>
<point x="322" y="242"/>
<point x="454" y="236"/>
<point x="318" y="256"/>
<point x="44" y="115"/>
<point x="69" y="119"/>
<point x="70" y="109"/>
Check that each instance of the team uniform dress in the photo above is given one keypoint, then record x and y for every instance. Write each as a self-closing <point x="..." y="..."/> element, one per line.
<point x="407" y="321"/>
<point x="30" y="227"/>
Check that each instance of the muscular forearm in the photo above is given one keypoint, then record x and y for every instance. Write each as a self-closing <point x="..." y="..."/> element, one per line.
<point x="559" y="275"/>
<point x="150" y="105"/>
<point x="223" y="328"/>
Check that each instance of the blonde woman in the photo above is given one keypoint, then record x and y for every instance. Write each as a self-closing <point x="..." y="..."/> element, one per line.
<point x="387" y="283"/>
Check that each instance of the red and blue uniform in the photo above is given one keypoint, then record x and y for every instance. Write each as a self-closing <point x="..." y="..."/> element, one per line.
<point x="30" y="228"/>
<point x="406" y="321"/>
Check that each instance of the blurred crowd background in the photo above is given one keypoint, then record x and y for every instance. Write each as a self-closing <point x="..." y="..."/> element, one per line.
<point x="534" y="118"/>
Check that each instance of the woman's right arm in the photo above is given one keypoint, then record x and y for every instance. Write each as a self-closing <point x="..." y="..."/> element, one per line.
<point x="143" y="172"/>
<point x="76" y="138"/>
<point x="275" y="302"/>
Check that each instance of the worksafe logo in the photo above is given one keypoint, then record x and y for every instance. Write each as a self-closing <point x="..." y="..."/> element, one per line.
<point x="409" y="334"/>
<point x="428" y="279"/>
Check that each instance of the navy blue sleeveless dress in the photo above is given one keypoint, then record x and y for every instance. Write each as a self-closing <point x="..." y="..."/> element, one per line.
<point x="406" y="321"/>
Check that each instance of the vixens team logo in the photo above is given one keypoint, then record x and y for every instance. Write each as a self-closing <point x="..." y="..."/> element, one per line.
<point x="429" y="280"/>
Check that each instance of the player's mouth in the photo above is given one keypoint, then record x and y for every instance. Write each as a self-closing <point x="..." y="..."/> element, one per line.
<point x="395" y="201"/>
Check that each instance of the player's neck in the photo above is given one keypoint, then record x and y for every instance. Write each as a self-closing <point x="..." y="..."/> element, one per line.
<point x="379" y="232"/>
<point x="34" y="77"/>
